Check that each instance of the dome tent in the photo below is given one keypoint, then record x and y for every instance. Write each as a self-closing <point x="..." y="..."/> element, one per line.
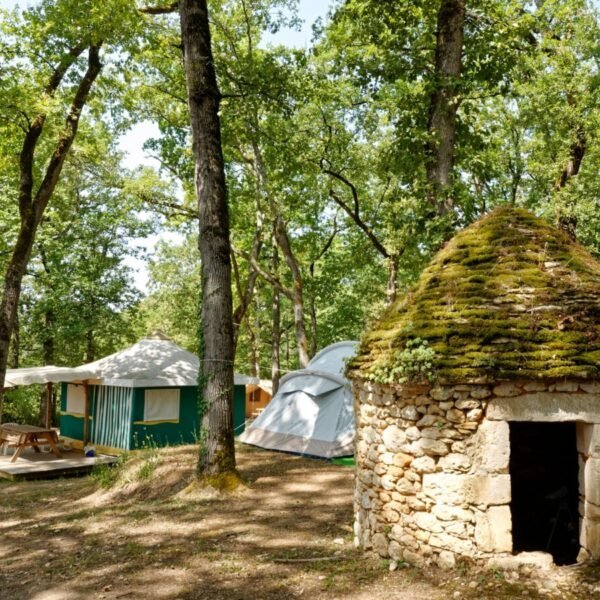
<point x="478" y="433"/>
<point x="312" y="412"/>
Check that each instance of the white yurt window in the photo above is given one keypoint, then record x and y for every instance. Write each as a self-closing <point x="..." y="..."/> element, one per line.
<point x="161" y="405"/>
<point x="76" y="399"/>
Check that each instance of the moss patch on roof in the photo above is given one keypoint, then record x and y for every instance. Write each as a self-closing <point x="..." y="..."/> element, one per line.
<point x="509" y="297"/>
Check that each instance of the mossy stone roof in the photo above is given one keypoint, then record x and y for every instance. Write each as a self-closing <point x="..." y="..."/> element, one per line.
<point x="509" y="297"/>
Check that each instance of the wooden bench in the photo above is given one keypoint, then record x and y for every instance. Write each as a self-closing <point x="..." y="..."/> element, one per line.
<point x="27" y="436"/>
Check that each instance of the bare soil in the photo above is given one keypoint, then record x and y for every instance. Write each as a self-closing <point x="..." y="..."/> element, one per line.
<point x="150" y="536"/>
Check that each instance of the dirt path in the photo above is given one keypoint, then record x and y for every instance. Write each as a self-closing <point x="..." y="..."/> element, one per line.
<point x="65" y="540"/>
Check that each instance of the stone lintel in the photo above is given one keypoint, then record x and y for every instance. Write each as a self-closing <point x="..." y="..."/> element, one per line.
<point x="547" y="407"/>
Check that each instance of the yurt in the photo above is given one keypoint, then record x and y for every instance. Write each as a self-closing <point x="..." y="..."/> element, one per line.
<point x="478" y="404"/>
<point x="144" y="395"/>
<point x="312" y="412"/>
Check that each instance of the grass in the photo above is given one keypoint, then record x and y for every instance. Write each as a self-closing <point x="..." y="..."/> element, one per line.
<point x="105" y="475"/>
<point x="147" y="469"/>
<point x="344" y="461"/>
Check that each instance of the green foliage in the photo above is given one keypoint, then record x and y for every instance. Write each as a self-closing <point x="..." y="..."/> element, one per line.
<point x="78" y="293"/>
<point x="413" y="363"/>
<point x="355" y="104"/>
<point x="174" y="288"/>
<point x="21" y="405"/>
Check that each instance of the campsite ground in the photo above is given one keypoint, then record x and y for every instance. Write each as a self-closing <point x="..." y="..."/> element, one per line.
<point x="146" y="537"/>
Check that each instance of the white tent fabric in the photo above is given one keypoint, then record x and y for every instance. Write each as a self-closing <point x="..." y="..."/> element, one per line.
<point x="47" y="374"/>
<point x="312" y="412"/>
<point x="149" y="363"/>
<point x="152" y="362"/>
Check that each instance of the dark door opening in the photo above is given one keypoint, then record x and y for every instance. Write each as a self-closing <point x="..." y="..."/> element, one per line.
<point x="544" y="478"/>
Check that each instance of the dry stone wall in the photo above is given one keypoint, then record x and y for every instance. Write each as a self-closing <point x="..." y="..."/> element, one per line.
<point x="432" y="480"/>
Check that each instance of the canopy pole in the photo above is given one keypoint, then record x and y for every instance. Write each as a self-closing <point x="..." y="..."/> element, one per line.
<point x="86" y="418"/>
<point x="48" y="405"/>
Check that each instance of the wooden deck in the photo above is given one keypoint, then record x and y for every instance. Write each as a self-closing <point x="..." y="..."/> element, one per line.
<point x="33" y="465"/>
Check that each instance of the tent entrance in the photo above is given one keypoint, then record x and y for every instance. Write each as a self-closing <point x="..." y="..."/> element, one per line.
<point x="544" y="478"/>
<point x="112" y="418"/>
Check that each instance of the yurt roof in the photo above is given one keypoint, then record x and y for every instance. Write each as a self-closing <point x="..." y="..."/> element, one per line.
<point x="155" y="361"/>
<point x="509" y="297"/>
<point x="152" y="362"/>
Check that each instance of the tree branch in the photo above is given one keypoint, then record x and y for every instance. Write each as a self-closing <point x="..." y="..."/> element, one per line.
<point x="326" y="247"/>
<point x="167" y="204"/>
<point x="274" y="281"/>
<point x="356" y="212"/>
<point x="35" y="130"/>
<point x="160" y="10"/>
<point x="354" y="215"/>
<point x="66" y="139"/>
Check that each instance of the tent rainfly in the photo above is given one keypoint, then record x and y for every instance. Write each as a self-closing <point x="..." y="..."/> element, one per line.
<point x="312" y="412"/>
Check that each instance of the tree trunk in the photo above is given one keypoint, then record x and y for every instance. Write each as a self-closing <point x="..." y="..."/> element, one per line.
<point x="314" y="330"/>
<point x="276" y="328"/>
<point x="297" y="290"/>
<point x="90" y="346"/>
<point x="31" y="208"/>
<point x="48" y="359"/>
<point x="392" y="284"/>
<point x="15" y="347"/>
<point x="443" y="106"/>
<point x="217" y="453"/>
<point x="253" y="350"/>
<point x="567" y="220"/>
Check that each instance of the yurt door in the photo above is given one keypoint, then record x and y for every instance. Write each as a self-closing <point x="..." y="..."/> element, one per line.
<point x="112" y="419"/>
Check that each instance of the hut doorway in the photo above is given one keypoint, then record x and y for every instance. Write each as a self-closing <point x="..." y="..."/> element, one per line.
<point x="544" y="479"/>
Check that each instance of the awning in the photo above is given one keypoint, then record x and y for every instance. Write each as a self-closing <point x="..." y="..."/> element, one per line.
<point x="47" y="374"/>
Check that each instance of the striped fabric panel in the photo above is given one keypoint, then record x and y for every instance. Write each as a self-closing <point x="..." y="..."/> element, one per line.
<point x="112" y="422"/>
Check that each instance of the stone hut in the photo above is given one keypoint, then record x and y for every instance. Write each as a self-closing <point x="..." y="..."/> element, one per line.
<point x="477" y="399"/>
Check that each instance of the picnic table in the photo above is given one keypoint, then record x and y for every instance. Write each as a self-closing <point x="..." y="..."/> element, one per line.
<point x="27" y="436"/>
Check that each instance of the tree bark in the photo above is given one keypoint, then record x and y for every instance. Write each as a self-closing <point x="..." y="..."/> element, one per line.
<point x="439" y="149"/>
<point x="276" y="328"/>
<point x="568" y="222"/>
<point x="48" y="357"/>
<point x="90" y="346"/>
<point x="15" y="347"/>
<point x="283" y="242"/>
<point x="217" y="453"/>
<point x="31" y="208"/>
